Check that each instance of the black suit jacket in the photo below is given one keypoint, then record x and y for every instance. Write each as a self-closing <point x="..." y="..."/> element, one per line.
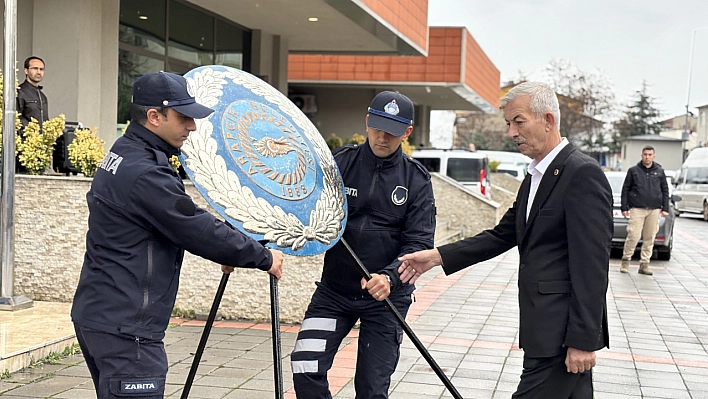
<point x="564" y="250"/>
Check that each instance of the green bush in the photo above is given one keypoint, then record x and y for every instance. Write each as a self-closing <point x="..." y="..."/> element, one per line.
<point x="334" y="142"/>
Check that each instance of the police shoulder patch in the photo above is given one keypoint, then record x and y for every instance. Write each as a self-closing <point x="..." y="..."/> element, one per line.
<point x="345" y="148"/>
<point x="160" y="157"/>
<point x="420" y="167"/>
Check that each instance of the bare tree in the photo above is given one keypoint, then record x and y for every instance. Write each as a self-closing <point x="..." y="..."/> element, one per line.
<point x="485" y="131"/>
<point x="587" y="103"/>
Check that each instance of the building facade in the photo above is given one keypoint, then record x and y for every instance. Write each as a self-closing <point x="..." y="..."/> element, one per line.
<point x="702" y="129"/>
<point x="94" y="50"/>
<point x="669" y="151"/>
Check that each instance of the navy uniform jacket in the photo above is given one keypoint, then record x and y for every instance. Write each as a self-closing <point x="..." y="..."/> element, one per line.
<point x="391" y="213"/>
<point x="564" y="251"/>
<point x="140" y="222"/>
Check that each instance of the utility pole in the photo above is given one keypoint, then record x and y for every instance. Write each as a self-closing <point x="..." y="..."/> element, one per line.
<point x="686" y="130"/>
<point x="7" y="228"/>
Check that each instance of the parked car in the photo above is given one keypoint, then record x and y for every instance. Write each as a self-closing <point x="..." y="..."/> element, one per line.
<point x="664" y="241"/>
<point x="692" y="184"/>
<point x="470" y="168"/>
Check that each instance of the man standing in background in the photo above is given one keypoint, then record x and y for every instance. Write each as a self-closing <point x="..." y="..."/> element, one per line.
<point x="31" y="102"/>
<point x="645" y="194"/>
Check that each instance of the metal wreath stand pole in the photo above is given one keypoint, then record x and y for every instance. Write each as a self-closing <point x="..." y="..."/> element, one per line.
<point x="275" y="334"/>
<point x="409" y="332"/>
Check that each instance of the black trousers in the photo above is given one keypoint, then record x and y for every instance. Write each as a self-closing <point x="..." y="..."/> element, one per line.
<point x="328" y="319"/>
<point x="123" y="367"/>
<point x="548" y="378"/>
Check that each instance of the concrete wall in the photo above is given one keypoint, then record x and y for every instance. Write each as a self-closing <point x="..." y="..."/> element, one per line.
<point x="339" y="111"/>
<point x="342" y="111"/>
<point x="669" y="154"/>
<point x="466" y="210"/>
<point x="504" y="189"/>
<point x="50" y="228"/>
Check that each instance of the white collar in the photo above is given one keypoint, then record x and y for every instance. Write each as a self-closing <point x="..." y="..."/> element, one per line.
<point x="541" y="167"/>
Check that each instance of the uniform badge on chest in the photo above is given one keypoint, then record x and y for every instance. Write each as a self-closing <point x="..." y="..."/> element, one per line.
<point x="399" y="196"/>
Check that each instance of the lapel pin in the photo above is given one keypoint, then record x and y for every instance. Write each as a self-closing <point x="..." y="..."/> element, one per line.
<point x="555" y="172"/>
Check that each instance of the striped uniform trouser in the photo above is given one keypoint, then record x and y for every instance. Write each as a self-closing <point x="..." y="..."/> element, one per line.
<point x="328" y="319"/>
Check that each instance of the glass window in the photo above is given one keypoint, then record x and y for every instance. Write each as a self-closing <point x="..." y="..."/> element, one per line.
<point x="432" y="164"/>
<point x="130" y="67"/>
<point x="195" y="38"/>
<point x="230" y="43"/>
<point x="464" y="169"/>
<point x="191" y="35"/>
<point x="696" y="175"/>
<point x="142" y="24"/>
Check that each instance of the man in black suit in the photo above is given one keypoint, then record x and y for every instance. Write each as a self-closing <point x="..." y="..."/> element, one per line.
<point x="561" y="223"/>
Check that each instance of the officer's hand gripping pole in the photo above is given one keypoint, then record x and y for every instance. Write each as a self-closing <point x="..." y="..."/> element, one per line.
<point x="409" y="332"/>
<point x="275" y="320"/>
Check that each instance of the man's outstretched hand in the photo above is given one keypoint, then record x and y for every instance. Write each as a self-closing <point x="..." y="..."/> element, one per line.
<point x="417" y="263"/>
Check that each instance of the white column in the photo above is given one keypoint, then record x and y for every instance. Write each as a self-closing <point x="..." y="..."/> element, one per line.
<point x="269" y="59"/>
<point x="78" y="40"/>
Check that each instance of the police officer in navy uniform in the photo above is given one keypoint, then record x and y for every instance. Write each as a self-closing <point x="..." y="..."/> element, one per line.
<point x="140" y="223"/>
<point x="391" y="213"/>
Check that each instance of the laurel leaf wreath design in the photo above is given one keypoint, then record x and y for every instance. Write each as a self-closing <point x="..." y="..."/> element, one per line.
<point x="240" y="203"/>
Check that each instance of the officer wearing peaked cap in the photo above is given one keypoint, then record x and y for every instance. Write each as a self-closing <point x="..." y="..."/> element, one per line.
<point x="391" y="212"/>
<point x="140" y="223"/>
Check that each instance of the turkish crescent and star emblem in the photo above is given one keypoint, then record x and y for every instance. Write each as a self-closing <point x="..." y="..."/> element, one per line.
<point x="262" y="165"/>
<point x="399" y="195"/>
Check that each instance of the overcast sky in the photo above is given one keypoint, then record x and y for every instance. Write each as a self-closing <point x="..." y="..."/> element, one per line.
<point x="630" y="40"/>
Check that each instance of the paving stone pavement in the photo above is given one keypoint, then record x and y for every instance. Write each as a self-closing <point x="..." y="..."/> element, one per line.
<point x="468" y="322"/>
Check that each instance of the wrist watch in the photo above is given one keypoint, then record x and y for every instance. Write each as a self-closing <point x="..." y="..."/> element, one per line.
<point x="388" y="278"/>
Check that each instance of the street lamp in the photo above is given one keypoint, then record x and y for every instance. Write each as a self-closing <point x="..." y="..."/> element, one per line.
<point x="690" y="69"/>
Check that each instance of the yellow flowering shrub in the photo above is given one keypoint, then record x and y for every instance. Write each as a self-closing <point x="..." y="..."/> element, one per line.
<point x="86" y="151"/>
<point x="37" y="147"/>
<point x="334" y="142"/>
<point x="407" y="147"/>
<point x="357" y="139"/>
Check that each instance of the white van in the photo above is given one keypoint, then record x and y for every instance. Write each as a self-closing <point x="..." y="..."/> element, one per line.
<point x="692" y="184"/>
<point x="470" y="168"/>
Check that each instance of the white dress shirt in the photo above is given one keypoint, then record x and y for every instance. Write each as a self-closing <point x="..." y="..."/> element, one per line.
<point x="537" y="169"/>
